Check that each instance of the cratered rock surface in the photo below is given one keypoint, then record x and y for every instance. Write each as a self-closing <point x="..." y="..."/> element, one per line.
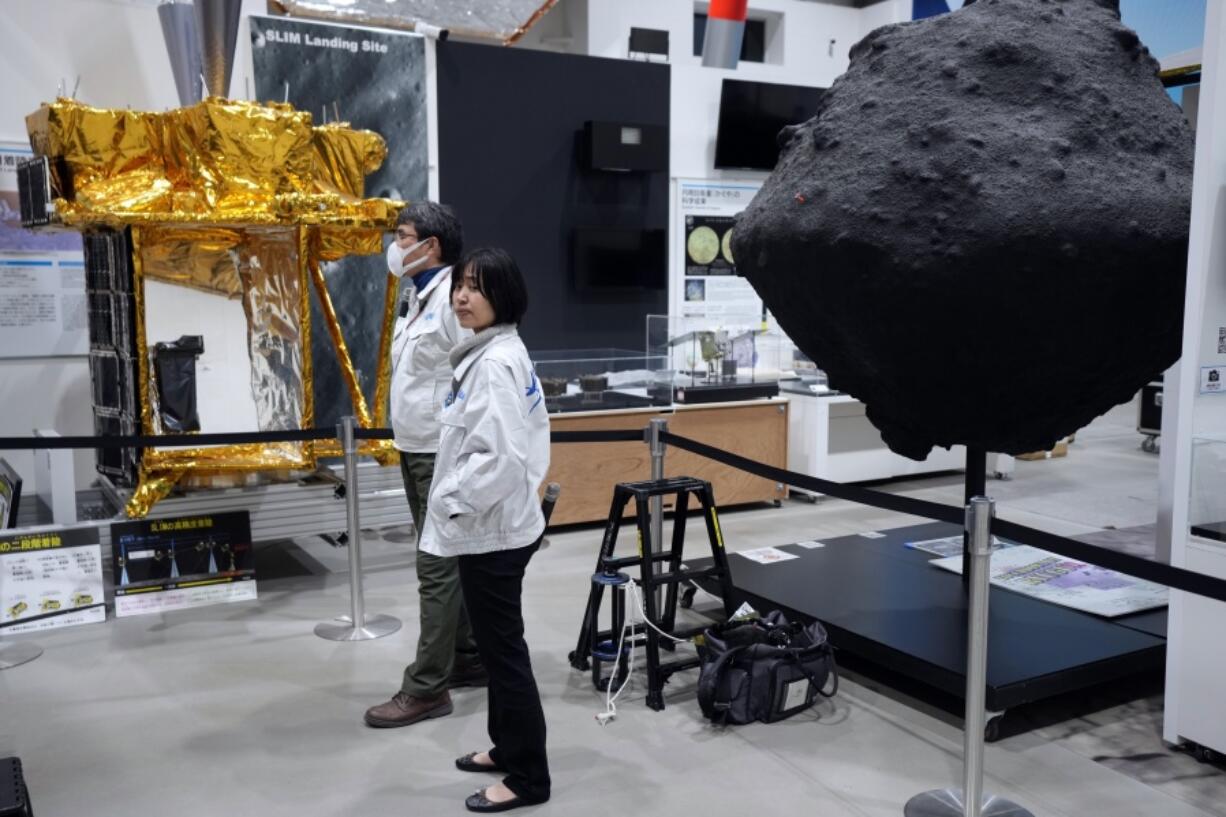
<point x="983" y="232"/>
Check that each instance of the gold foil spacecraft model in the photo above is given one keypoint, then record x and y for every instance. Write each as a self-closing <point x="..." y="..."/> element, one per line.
<point x="222" y="199"/>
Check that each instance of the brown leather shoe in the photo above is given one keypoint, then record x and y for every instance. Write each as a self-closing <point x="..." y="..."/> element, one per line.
<point x="404" y="709"/>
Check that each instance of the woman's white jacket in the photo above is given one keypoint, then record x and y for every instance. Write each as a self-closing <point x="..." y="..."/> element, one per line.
<point x="493" y="451"/>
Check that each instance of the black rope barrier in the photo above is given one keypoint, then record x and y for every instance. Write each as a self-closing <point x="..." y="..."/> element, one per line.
<point x="1164" y="574"/>
<point x="611" y="436"/>
<point x="862" y="496"/>
<point x="288" y="436"/>
<point x="1176" y="578"/>
<point x="372" y="434"/>
<point x="168" y="440"/>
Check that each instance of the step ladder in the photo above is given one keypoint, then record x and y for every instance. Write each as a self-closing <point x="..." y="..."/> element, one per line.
<point x="597" y="647"/>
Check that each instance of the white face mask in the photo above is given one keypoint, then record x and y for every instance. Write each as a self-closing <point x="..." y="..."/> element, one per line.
<point x="395" y="258"/>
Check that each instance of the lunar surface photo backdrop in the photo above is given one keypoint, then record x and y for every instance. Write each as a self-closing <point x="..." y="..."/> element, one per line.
<point x="375" y="80"/>
<point x="982" y="234"/>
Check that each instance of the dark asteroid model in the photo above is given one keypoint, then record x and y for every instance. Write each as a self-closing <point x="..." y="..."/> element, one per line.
<point x="983" y="233"/>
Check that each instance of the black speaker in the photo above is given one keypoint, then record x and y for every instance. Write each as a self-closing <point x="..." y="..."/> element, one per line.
<point x="625" y="146"/>
<point x="14" y="796"/>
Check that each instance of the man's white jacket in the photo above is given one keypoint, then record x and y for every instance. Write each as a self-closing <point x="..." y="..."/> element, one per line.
<point x="493" y="452"/>
<point x="421" y="372"/>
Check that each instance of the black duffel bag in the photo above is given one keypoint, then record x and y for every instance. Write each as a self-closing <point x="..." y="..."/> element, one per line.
<point x="764" y="669"/>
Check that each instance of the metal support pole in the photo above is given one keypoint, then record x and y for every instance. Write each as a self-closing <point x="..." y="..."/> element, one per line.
<point x="15" y="655"/>
<point x="976" y="485"/>
<point x="969" y="801"/>
<point x="657" y="427"/>
<point x="358" y="626"/>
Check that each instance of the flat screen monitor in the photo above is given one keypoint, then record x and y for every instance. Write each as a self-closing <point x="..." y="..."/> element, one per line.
<point x="751" y="114"/>
<point x="619" y="258"/>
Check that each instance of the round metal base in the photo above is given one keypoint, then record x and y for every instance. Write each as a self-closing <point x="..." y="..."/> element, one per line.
<point x="343" y="629"/>
<point x="948" y="803"/>
<point x="15" y="655"/>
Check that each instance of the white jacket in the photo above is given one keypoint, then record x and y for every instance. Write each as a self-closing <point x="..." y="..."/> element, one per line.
<point x="421" y="372"/>
<point x="492" y="455"/>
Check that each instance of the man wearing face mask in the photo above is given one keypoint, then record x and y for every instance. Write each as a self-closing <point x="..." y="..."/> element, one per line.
<point x="428" y="241"/>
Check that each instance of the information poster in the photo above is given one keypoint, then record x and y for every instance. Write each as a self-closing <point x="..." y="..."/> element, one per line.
<point x="42" y="278"/>
<point x="51" y="579"/>
<point x="707" y="285"/>
<point x="1046" y="576"/>
<point x="189" y="561"/>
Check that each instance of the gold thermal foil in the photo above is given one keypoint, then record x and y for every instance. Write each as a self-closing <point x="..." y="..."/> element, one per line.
<point x="197" y="257"/>
<point x="242" y="200"/>
<point x="245" y="457"/>
<point x="150" y="489"/>
<point x="348" y="371"/>
<point x="383" y="381"/>
<point x="240" y="155"/>
<point x="142" y="344"/>
<point x="97" y="143"/>
<point x="336" y="243"/>
<point x="219" y="161"/>
<point x="343" y="157"/>
<point x="303" y="237"/>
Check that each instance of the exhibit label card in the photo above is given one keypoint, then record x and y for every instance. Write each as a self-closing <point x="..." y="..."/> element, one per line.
<point x="188" y="561"/>
<point x="50" y="579"/>
<point x="767" y="556"/>
<point x="1050" y="577"/>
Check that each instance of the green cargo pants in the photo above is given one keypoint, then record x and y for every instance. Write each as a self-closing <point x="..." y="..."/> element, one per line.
<point x="445" y="634"/>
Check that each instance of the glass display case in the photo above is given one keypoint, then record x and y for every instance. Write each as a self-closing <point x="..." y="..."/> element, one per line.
<point x="809" y="377"/>
<point x="602" y="379"/>
<point x="719" y="359"/>
<point x="1207" y="502"/>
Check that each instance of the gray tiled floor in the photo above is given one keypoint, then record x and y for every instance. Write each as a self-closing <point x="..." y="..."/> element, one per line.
<point x="242" y="710"/>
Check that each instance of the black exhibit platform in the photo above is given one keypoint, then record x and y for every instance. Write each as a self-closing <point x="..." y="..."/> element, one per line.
<point x="882" y="602"/>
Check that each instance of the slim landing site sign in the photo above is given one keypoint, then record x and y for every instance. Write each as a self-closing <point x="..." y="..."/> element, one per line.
<point x="375" y="80"/>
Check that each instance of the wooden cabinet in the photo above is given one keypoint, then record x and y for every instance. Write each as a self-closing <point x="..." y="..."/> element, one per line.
<point x="587" y="472"/>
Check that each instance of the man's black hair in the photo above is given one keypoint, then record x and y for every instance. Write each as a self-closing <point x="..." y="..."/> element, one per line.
<point x="433" y="220"/>
<point x="498" y="279"/>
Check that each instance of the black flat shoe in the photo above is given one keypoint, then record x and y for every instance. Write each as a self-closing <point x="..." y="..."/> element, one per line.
<point x="466" y="764"/>
<point x="478" y="802"/>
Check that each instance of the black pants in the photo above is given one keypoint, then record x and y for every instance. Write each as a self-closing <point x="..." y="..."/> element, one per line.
<point x="493" y="584"/>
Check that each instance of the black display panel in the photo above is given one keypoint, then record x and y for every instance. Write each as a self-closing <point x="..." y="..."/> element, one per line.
<point x="751" y="114"/>
<point x="512" y="164"/>
<point x="614" y="258"/>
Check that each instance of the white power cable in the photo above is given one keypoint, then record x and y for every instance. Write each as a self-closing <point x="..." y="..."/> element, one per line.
<point x="631" y="589"/>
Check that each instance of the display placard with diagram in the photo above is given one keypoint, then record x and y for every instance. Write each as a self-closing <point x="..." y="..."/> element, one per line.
<point x="189" y="561"/>
<point x="50" y="579"/>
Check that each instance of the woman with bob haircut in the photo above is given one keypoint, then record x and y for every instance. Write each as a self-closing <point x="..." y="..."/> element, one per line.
<point x="492" y="457"/>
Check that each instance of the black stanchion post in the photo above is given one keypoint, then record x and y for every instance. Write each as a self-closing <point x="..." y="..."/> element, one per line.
<point x="655" y="440"/>
<point x="357" y="626"/>
<point x="969" y="801"/>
